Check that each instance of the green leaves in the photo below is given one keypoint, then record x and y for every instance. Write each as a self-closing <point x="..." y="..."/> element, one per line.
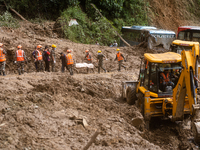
<point x="7" y="20"/>
<point x="87" y="31"/>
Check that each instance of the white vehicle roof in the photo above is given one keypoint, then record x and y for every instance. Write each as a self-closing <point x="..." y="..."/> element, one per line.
<point x="160" y="31"/>
<point x="138" y="27"/>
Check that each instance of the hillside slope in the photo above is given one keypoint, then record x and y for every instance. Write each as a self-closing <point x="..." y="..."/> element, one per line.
<point x="170" y="14"/>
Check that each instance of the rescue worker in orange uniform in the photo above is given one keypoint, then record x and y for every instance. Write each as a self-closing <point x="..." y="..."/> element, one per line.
<point x="20" y="58"/>
<point x="88" y="56"/>
<point x="38" y="59"/>
<point x="70" y="61"/>
<point x="2" y="60"/>
<point x="165" y="79"/>
<point x="120" y="57"/>
<point x="89" y="59"/>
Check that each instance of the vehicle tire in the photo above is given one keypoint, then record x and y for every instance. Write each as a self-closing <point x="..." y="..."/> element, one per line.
<point x="131" y="95"/>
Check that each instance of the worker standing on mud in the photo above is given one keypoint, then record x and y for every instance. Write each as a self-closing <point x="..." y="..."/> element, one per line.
<point x="2" y="59"/>
<point x="100" y="58"/>
<point x="20" y="58"/>
<point x="34" y="58"/>
<point x="64" y="62"/>
<point x="88" y="58"/>
<point x="120" y="57"/>
<point x="70" y="61"/>
<point x="46" y="58"/>
<point x="38" y="55"/>
<point x="53" y="57"/>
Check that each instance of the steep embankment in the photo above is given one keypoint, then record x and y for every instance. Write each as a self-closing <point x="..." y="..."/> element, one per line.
<point x="170" y="14"/>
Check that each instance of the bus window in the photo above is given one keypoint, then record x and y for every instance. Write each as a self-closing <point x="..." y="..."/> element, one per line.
<point x="181" y="35"/>
<point x="196" y="37"/>
<point x="188" y="38"/>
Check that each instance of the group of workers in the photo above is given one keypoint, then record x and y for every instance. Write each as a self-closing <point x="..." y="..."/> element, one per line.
<point x="49" y="58"/>
<point x="100" y="57"/>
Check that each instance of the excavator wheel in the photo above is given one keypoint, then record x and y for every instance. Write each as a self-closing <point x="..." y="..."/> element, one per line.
<point x="196" y="131"/>
<point x="131" y="95"/>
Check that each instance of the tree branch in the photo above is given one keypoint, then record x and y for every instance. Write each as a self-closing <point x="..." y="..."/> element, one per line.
<point x="15" y="12"/>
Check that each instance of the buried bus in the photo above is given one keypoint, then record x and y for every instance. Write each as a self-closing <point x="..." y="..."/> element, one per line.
<point x="157" y="39"/>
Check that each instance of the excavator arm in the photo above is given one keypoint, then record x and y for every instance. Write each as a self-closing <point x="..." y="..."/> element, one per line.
<point x="185" y="85"/>
<point x="187" y="88"/>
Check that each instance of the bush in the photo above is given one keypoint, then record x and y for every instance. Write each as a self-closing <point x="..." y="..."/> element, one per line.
<point x="7" y="20"/>
<point x="87" y="31"/>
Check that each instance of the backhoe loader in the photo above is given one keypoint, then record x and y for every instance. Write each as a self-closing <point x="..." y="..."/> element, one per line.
<point x="171" y="97"/>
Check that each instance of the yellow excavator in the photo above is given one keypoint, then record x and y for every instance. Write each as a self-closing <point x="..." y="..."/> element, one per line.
<point x="166" y="87"/>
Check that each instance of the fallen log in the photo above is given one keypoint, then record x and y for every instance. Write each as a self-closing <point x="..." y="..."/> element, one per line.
<point x="15" y="12"/>
<point x="91" y="140"/>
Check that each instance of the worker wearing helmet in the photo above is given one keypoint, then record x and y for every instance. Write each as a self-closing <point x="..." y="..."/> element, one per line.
<point x="64" y="62"/>
<point x="70" y="61"/>
<point x="165" y="79"/>
<point x="38" y="58"/>
<point x="88" y="56"/>
<point x="34" y="58"/>
<point x="100" y="58"/>
<point x="46" y="58"/>
<point x="20" y="59"/>
<point x="2" y="59"/>
<point x="53" y="57"/>
<point x="89" y="59"/>
<point x="120" y="57"/>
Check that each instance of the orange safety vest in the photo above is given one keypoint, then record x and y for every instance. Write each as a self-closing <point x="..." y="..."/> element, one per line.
<point x="20" y="55"/>
<point x="119" y="57"/>
<point x="89" y="58"/>
<point x="39" y="55"/>
<point x="69" y="59"/>
<point x="166" y="78"/>
<point x="2" y="55"/>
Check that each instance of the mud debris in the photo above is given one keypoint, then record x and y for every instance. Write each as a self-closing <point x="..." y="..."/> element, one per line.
<point x="46" y="110"/>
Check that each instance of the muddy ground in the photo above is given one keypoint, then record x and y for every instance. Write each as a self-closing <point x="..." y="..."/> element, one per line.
<point x="46" y="110"/>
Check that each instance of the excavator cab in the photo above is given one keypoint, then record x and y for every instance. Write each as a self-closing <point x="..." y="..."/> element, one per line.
<point x="153" y="71"/>
<point x="152" y="75"/>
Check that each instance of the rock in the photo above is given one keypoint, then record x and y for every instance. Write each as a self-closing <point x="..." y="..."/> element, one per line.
<point x="59" y="114"/>
<point x="85" y="124"/>
<point x="116" y="129"/>
<point x="136" y="122"/>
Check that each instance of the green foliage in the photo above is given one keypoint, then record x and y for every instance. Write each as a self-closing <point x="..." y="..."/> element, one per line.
<point x="110" y="8"/>
<point x="86" y="32"/>
<point x="46" y="9"/>
<point x="134" y="12"/>
<point x="91" y="27"/>
<point x="7" y="20"/>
